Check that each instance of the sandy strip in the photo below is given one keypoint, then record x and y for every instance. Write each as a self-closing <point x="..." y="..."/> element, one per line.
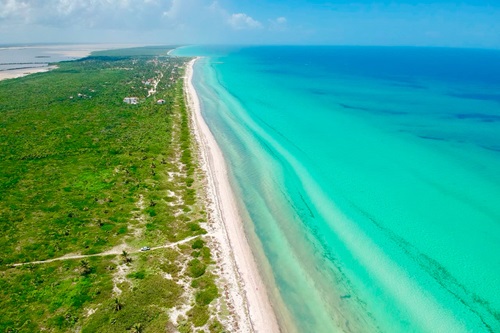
<point x="15" y="73"/>
<point x="246" y="290"/>
<point x="84" y="50"/>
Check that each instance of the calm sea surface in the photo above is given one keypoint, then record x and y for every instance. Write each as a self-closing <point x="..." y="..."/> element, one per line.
<point x="369" y="179"/>
<point x="31" y="56"/>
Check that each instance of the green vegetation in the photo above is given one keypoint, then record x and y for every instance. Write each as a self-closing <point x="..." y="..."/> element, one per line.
<point x="198" y="244"/>
<point x="81" y="172"/>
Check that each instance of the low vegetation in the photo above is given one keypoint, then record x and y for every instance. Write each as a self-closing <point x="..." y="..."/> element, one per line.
<point x="83" y="173"/>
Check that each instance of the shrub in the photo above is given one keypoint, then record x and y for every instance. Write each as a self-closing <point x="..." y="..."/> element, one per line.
<point x="198" y="244"/>
<point x="137" y="275"/>
<point x="196" y="268"/>
<point x="206" y="296"/>
<point x="199" y="315"/>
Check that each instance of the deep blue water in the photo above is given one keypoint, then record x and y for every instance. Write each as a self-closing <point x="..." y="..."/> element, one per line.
<point x="369" y="179"/>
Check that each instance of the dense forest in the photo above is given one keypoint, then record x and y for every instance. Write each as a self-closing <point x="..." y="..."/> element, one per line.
<point x="101" y="201"/>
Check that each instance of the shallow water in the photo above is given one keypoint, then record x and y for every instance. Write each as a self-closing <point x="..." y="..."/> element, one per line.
<point x="370" y="180"/>
<point x="32" y="56"/>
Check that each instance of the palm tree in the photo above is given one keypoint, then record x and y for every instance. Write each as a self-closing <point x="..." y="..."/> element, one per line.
<point x="118" y="305"/>
<point x="85" y="268"/>
<point x="126" y="259"/>
<point x="136" y="328"/>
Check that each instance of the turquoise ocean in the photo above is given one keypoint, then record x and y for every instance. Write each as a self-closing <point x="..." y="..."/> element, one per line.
<point x="368" y="179"/>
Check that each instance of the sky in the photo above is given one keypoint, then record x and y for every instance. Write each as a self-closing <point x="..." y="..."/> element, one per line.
<point x="466" y="23"/>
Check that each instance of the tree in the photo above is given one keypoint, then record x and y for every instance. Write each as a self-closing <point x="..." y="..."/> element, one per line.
<point x="136" y="328"/>
<point x="85" y="268"/>
<point x="125" y="257"/>
<point x="118" y="305"/>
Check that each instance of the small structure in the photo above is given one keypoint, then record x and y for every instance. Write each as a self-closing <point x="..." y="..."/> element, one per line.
<point x="131" y="100"/>
<point x="160" y="101"/>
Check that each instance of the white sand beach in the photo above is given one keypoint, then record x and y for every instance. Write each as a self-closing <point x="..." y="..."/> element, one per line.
<point x="15" y="73"/>
<point x="242" y="283"/>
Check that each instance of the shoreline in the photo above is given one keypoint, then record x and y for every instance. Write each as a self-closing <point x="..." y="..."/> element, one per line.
<point x="73" y="52"/>
<point x="244" y="287"/>
<point x="20" y="72"/>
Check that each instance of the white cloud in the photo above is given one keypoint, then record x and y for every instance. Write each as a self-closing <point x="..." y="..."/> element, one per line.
<point x="281" y="20"/>
<point x="97" y="14"/>
<point x="175" y="8"/>
<point x="12" y="8"/>
<point x="242" y="21"/>
<point x="171" y="21"/>
<point x="278" y="24"/>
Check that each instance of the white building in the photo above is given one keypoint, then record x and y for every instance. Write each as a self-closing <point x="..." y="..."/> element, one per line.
<point x="131" y="100"/>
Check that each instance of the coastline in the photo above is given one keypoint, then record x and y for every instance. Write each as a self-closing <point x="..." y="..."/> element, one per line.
<point x="243" y="286"/>
<point x="72" y="52"/>
<point x="15" y="73"/>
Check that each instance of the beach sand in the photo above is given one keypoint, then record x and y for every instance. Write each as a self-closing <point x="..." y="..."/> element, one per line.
<point x="243" y="285"/>
<point x="15" y="73"/>
<point x="84" y="50"/>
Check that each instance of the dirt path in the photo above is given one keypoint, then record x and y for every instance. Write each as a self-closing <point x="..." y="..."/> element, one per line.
<point x="114" y="251"/>
<point x="152" y="91"/>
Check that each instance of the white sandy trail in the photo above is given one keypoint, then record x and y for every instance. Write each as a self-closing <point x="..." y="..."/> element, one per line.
<point x="247" y="291"/>
<point x="114" y="251"/>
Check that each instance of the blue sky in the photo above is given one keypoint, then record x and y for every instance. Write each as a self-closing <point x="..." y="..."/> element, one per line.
<point x="363" y="22"/>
